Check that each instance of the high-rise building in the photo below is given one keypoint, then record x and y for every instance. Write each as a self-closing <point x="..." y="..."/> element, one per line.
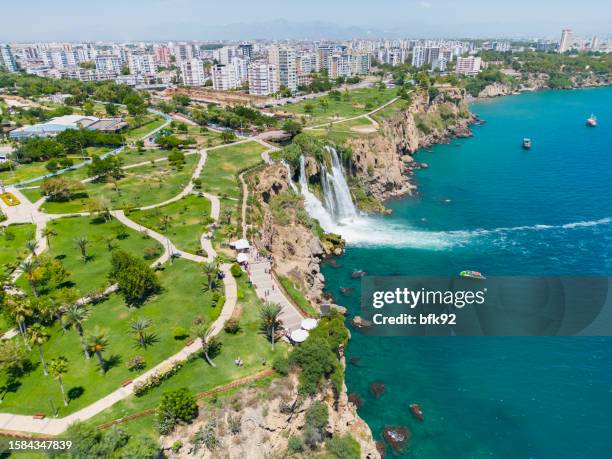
<point x="263" y="79"/>
<point x="594" y="43"/>
<point x="566" y="40"/>
<point x="225" y="77"/>
<point x="360" y="63"/>
<point x="140" y="63"/>
<point x="109" y="64"/>
<point x="162" y="55"/>
<point x="468" y="65"/>
<point x="246" y="49"/>
<point x="192" y="72"/>
<point x="7" y="59"/>
<point x="308" y="63"/>
<point x="286" y="68"/>
<point x="325" y="53"/>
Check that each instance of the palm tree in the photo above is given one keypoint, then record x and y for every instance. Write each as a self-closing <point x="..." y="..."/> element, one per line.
<point x="82" y="245"/>
<point x="30" y="268"/>
<point x="270" y="323"/>
<point x="208" y="342"/>
<point x="226" y="215"/>
<point x="75" y="316"/>
<point x="31" y="245"/>
<point x="210" y="271"/>
<point x="48" y="232"/>
<point x="20" y="309"/>
<point x="139" y="328"/>
<point x="59" y="367"/>
<point x="38" y="336"/>
<point x="165" y="221"/>
<point x="97" y="342"/>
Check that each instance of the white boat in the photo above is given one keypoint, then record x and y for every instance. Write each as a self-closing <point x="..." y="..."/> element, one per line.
<point x="591" y="121"/>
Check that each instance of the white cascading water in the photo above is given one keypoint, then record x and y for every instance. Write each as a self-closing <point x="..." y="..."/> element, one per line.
<point x="338" y="214"/>
<point x="289" y="175"/>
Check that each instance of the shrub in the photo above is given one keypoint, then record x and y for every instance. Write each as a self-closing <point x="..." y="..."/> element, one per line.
<point x="154" y="380"/>
<point x="175" y="406"/>
<point x="344" y="447"/>
<point x="281" y="364"/>
<point x="232" y="326"/>
<point x="151" y="253"/>
<point x="295" y="445"/>
<point x="180" y="333"/>
<point x="236" y="270"/>
<point x="317" y="416"/>
<point x="176" y="446"/>
<point x="136" y="363"/>
<point x="235" y="424"/>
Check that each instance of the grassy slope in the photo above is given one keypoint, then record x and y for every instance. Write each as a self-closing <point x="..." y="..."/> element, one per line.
<point x="179" y="303"/>
<point x="189" y="215"/>
<point x="141" y="186"/>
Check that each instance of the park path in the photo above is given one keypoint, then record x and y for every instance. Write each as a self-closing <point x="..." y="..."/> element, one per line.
<point x="364" y="115"/>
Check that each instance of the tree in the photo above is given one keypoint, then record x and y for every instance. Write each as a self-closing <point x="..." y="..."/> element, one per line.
<point x="226" y="215"/>
<point x="13" y="357"/>
<point x="135" y="279"/>
<point x="165" y="221"/>
<point x="74" y="317"/>
<point x="210" y="271"/>
<point x="111" y="109"/>
<point x="82" y="243"/>
<point x="228" y="137"/>
<point x="30" y="269"/>
<point x="343" y="447"/>
<point x="292" y="127"/>
<point x="210" y="345"/>
<point x="270" y="322"/>
<point x="100" y="205"/>
<point x="38" y="335"/>
<point x="31" y="245"/>
<point x="61" y="189"/>
<point x="139" y="327"/>
<point x="106" y="168"/>
<point x="47" y="233"/>
<point x="58" y="368"/>
<point x="97" y="342"/>
<point x="175" y="406"/>
<point x="19" y="309"/>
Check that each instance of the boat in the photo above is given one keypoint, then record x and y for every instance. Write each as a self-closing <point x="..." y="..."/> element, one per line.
<point x="526" y="143"/>
<point x="472" y="274"/>
<point x="358" y="274"/>
<point x="591" y="121"/>
<point x="416" y="412"/>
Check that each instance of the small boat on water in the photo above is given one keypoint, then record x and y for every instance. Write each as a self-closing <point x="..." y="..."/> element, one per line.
<point x="591" y="121"/>
<point x="472" y="274"/>
<point x="416" y="412"/>
<point x="526" y="143"/>
<point x="358" y="273"/>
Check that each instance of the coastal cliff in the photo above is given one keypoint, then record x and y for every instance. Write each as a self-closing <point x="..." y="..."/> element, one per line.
<point x="384" y="161"/>
<point x="268" y="421"/>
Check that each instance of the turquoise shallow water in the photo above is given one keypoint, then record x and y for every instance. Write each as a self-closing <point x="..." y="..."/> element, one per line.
<point x="486" y="204"/>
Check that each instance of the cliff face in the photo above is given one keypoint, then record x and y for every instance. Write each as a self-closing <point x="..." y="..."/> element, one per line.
<point x="267" y="422"/>
<point x="384" y="162"/>
<point x="286" y="230"/>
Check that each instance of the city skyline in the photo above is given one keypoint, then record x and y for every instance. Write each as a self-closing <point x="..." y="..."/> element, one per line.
<point x="190" y="20"/>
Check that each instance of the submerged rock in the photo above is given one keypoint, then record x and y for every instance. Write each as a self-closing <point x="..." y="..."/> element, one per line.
<point x="355" y="361"/>
<point x="346" y="291"/>
<point x="380" y="447"/>
<point x="397" y="437"/>
<point x="377" y="389"/>
<point x="358" y="274"/>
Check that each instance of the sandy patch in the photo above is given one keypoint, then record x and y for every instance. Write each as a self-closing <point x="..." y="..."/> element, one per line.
<point x="363" y="129"/>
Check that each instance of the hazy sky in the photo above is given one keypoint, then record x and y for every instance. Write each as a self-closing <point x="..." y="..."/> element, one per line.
<point x="233" y="19"/>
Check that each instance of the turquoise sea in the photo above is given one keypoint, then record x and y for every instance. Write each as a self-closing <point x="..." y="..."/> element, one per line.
<point x="486" y="204"/>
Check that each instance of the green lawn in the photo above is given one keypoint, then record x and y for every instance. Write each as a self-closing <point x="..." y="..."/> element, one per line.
<point x="198" y="376"/>
<point x="223" y="164"/>
<point x="90" y="275"/>
<point x="141" y="186"/>
<point x="140" y="132"/>
<point x="179" y="303"/>
<point x="189" y="218"/>
<point x="23" y="172"/>
<point x="298" y="297"/>
<point x="360" y="101"/>
<point x="391" y="110"/>
<point x="130" y="156"/>
<point x="12" y="242"/>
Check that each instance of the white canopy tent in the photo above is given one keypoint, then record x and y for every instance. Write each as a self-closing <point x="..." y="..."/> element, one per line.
<point x="309" y="324"/>
<point x="242" y="258"/>
<point x="299" y="335"/>
<point x="240" y="245"/>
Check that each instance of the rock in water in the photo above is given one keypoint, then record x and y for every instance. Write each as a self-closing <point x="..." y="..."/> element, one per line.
<point x="397" y="437"/>
<point x="377" y="389"/>
<point x="355" y="399"/>
<point x="380" y="447"/>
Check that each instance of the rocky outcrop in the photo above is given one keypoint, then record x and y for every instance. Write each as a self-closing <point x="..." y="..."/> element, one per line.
<point x="286" y="230"/>
<point x="384" y="162"/>
<point x="253" y="424"/>
<point x="495" y="90"/>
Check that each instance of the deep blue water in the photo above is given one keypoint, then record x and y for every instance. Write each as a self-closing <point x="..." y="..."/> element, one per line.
<point x="486" y="204"/>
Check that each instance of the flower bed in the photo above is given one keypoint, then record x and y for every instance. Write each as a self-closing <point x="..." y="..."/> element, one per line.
<point x="10" y="199"/>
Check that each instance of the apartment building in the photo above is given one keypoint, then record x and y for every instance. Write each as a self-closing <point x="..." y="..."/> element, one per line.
<point x="468" y="65"/>
<point x="7" y="59"/>
<point x="284" y="59"/>
<point x="263" y="79"/>
<point x="140" y="63"/>
<point x="192" y="72"/>
<point x="225" y="77"/>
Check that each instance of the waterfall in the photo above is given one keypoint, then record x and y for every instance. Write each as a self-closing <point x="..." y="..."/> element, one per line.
<point x="314" y="207"/>
<point x="289" y="175"/>
<point x="344" y="207"/>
